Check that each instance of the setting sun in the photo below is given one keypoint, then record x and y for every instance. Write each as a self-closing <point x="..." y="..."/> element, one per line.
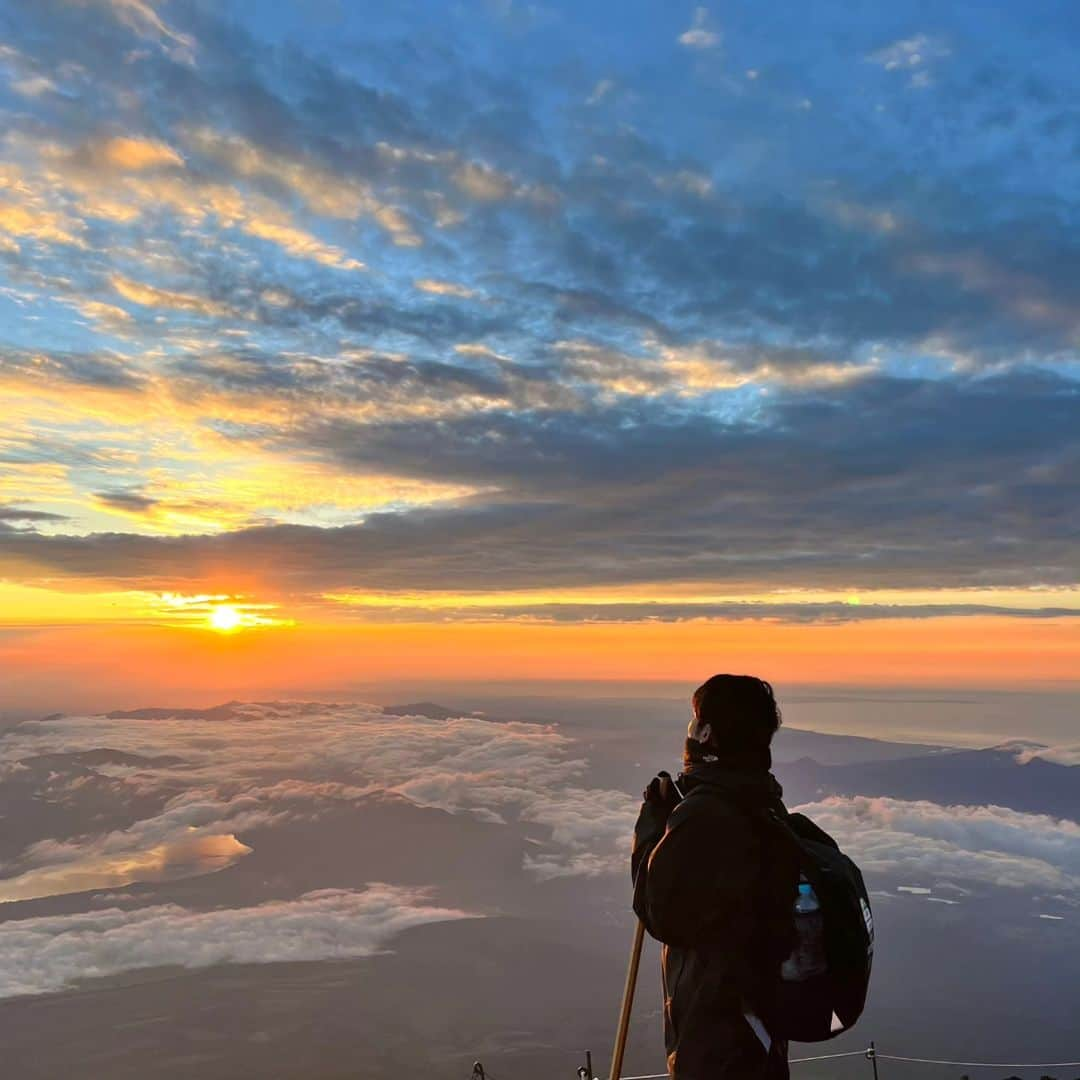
<point x="225" y="617"/>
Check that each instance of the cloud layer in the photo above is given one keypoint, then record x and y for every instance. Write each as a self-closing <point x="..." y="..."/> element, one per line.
<point x="991" y="846"/>
<point x="43" y="955"/>
<point x="98" y="802"/>
<point x="183" y="784"/>
<point x="473" y="300"/>
<point x="181" y="778"/>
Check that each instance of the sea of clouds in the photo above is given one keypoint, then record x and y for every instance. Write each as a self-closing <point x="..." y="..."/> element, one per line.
<point x="981" y="845"/>
<point x="261" y="764"/>
<point x="197" y="782"/>
<point x="50" y="953"/>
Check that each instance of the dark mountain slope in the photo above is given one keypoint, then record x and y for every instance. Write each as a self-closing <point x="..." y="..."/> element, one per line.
<point x="969" y="777"/>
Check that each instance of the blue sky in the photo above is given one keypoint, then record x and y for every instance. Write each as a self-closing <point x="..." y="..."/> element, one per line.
<point x="677" y="301"/>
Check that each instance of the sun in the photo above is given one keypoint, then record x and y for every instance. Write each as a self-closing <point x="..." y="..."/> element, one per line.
<point x="224" y="617"/>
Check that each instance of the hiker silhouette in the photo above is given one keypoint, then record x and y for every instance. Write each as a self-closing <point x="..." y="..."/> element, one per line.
<point x="739" y="892"/>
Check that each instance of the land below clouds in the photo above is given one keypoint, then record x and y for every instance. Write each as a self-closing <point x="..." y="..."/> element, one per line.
<point x="532" y="975"/>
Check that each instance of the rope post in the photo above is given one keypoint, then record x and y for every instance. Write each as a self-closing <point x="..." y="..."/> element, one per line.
<point x="585" y="1071"/>
<point x="871" y="1056"/>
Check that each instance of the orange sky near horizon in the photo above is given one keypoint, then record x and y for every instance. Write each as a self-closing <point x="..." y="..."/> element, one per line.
<point x="80" y="667"/>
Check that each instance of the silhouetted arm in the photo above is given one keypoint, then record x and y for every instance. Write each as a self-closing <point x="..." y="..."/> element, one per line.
<point x="695" y="883"/>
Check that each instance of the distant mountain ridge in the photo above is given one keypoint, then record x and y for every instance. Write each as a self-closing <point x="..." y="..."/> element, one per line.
<point x="956" y="777"/>
<point x="791" y="744"/>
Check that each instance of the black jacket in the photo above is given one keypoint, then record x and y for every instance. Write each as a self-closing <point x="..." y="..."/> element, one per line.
<point x="716" y="885"/>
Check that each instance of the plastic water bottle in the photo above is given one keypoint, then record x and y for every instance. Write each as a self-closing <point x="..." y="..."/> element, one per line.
<point x="807" y="959"/>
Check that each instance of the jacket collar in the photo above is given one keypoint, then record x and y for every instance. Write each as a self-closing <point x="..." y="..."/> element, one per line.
<point x="735" y="779"/>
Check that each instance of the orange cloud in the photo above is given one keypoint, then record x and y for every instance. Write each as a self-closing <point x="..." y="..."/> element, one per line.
<point x="136" y="154"/>
<point x="149" y="296"/>
<point x="24" y="212"/>
<point x="120" y="179"/>
<point x="300" y="243"/>
<point x="323" y="191"/>
<point x="444" y="288"/>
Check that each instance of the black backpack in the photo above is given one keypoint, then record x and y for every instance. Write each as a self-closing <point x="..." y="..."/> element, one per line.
<point x="827" y="1004"/>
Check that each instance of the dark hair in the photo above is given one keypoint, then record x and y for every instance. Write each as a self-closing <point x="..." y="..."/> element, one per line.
<point x="740" y="710"/>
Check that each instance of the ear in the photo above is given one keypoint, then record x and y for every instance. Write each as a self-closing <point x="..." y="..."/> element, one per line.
<point x="702" y="734"/>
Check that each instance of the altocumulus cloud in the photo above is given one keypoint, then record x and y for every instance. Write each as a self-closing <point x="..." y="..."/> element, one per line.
<point x="47" y="954"/>
<point x="631" y="343"/>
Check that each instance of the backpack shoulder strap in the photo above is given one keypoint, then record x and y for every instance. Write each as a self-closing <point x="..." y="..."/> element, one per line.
<point x="805" y="829"/>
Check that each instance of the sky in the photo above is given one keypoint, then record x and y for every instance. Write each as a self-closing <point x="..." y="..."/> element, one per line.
<point x="502" y="340"/>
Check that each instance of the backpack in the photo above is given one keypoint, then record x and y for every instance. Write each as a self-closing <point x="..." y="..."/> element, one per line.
<point x="822" y="998"/>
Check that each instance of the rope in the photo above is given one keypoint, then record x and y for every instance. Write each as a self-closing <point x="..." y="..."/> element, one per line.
<point x="825" y="1057"/>
<point x="793" y="1061"/>
<point x="869" y="1053"/>
<point x="911" y="1060"/>
<point x="984" y="1064"/>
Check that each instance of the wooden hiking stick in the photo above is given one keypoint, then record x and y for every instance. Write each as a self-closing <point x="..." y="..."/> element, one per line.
<point x="631" y="975"/>
<point x="627" y="1002"/>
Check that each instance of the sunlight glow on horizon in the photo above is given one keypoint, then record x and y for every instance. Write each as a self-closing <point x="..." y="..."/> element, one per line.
<point x="78" y="667"/>
<point x="225" y="618"/>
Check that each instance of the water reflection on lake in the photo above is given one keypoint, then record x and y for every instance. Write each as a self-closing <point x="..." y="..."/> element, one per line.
<point x="166" y="862"/>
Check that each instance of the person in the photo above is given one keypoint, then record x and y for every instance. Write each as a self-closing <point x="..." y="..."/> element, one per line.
<point x="715" y="884"/>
